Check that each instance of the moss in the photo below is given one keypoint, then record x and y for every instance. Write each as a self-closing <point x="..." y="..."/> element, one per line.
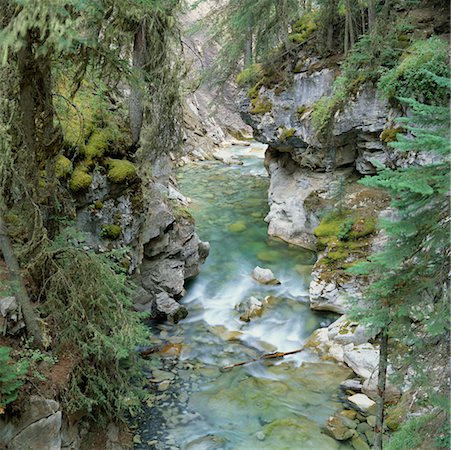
<point x="261" y="105"/>
<point x="80" y="179"/>
<point x="250" y="75"/>
<point x="97" y="144"/>
<point x="301" y="110"/>
<point x="322" y="113"/>
<point x="96" y="206"/>
<point x="254" y="90"/>
<point x="363" y="227"/>
<point x="286" y="133"/>
<point x="120" y="170"/>
<point x="390" y="134"/>
<point x="111" y="231"/>
<point x="303" y="28"/>
<point x="63" y="166"/>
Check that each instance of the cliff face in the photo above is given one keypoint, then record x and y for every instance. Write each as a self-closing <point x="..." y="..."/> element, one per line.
<point x="210" y="117"/>
<point x="312" y="175"/>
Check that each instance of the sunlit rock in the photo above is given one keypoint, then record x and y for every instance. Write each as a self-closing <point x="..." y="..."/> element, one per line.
<point x="264" y="276"/>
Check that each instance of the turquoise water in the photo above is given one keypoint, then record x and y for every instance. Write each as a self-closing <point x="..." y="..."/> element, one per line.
<point x="264" y="405"/>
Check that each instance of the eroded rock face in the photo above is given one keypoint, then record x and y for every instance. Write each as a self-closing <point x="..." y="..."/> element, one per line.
<point x="162" y="248"/>
<point x="355" y="135"/>
<point x="38" y="428"/>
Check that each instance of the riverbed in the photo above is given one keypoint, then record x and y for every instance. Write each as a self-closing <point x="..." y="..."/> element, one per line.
<point x="194" y="404"/>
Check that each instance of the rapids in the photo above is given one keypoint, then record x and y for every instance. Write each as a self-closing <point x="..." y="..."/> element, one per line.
<point x="274" y="405"/>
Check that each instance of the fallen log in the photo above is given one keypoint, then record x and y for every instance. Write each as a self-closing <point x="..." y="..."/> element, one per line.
<point x="273" y="355"/>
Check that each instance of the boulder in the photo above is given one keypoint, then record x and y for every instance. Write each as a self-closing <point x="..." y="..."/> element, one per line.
<point x="353" y="385"/>
<point x="363" y="359"/>
<point x="169" y="308"/>
<point x="264" y="276"/>
<point x="250" y="308"/>
<point x="369" y="388"/>
<point x="363" y="403"/>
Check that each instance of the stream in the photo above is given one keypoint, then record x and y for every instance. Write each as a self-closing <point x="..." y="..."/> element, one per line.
<point x="275" y="404"/>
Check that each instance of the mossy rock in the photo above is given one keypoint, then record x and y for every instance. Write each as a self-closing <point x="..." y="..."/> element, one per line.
<point x="286" y="133"/>
<point x="80" y="179"/>
<point x="254" y="90"/>
<point x="111" y="231"/>
<point x="261" y="105"/>
<point x="97" y="144"/>
<point x="63" y="166"/>
<point x="120" y="170"/>
<point x="237" y="227"/>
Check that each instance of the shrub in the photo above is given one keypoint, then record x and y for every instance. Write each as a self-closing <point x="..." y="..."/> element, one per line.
<point x="89" y="308"/>
<point x="250" y="75"/>
<point x="286" y="133"/>
<point x="413" y="77"/>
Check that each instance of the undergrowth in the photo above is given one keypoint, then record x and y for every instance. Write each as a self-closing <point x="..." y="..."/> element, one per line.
<point x="88" y="309"/>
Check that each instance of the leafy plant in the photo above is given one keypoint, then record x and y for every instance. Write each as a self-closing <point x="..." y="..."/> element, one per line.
<point x="10" y="377"/>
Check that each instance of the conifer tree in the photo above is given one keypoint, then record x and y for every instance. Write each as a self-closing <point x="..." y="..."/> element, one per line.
<point x="408" y="298"/>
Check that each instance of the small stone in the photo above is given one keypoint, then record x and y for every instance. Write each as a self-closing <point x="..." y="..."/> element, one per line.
<point x="371" y="421"/>
<point x="359" y="443"/>
<point x="363" y="427"/>
<point x="260" y="436"/>
<point x="353" y="385"/>
<point x="349" y="413"/>
<point x="362" y="402"/>
<point x="164" y="385"/>
<point x="337" y="428"/>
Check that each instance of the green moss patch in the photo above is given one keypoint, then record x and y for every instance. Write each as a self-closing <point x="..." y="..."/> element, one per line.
<point x="80" y="179"/>
<point x="120" y="170"/>
<point x="97" y="144"/>
<point x="261" y="105"/>
<point x="111" y="231"/>
<point x="345" y="235"/>
<point x="286" y="133"/>
<point x="250" y="75"/>
<point x="63" y="166"/>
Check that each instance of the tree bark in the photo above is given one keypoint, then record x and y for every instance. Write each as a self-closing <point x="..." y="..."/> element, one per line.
<point x="371" y="13"/>
<point x="248" y="48"/>
<point x="330" y="25"/>
<point x="382" y="376"/>
<point x="140" y="60"/>
<point x="29" y="315"/>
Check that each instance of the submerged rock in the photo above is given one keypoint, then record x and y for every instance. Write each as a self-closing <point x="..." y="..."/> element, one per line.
<point x="264" y="276"/>
<point x="250" y="309"/>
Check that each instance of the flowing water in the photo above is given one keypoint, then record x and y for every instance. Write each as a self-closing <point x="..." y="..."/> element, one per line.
<point x="274" y="404"/>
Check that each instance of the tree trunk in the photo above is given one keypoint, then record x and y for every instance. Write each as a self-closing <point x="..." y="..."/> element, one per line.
<point x="330" y="25"/>
<point x="383" y="362"/>
<point x="248" y="48"/>
<point x="371" y="13"/>
<point x="140" y="60"/>
<point x="29" y="315"/>
<point x="346" y="41"/>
